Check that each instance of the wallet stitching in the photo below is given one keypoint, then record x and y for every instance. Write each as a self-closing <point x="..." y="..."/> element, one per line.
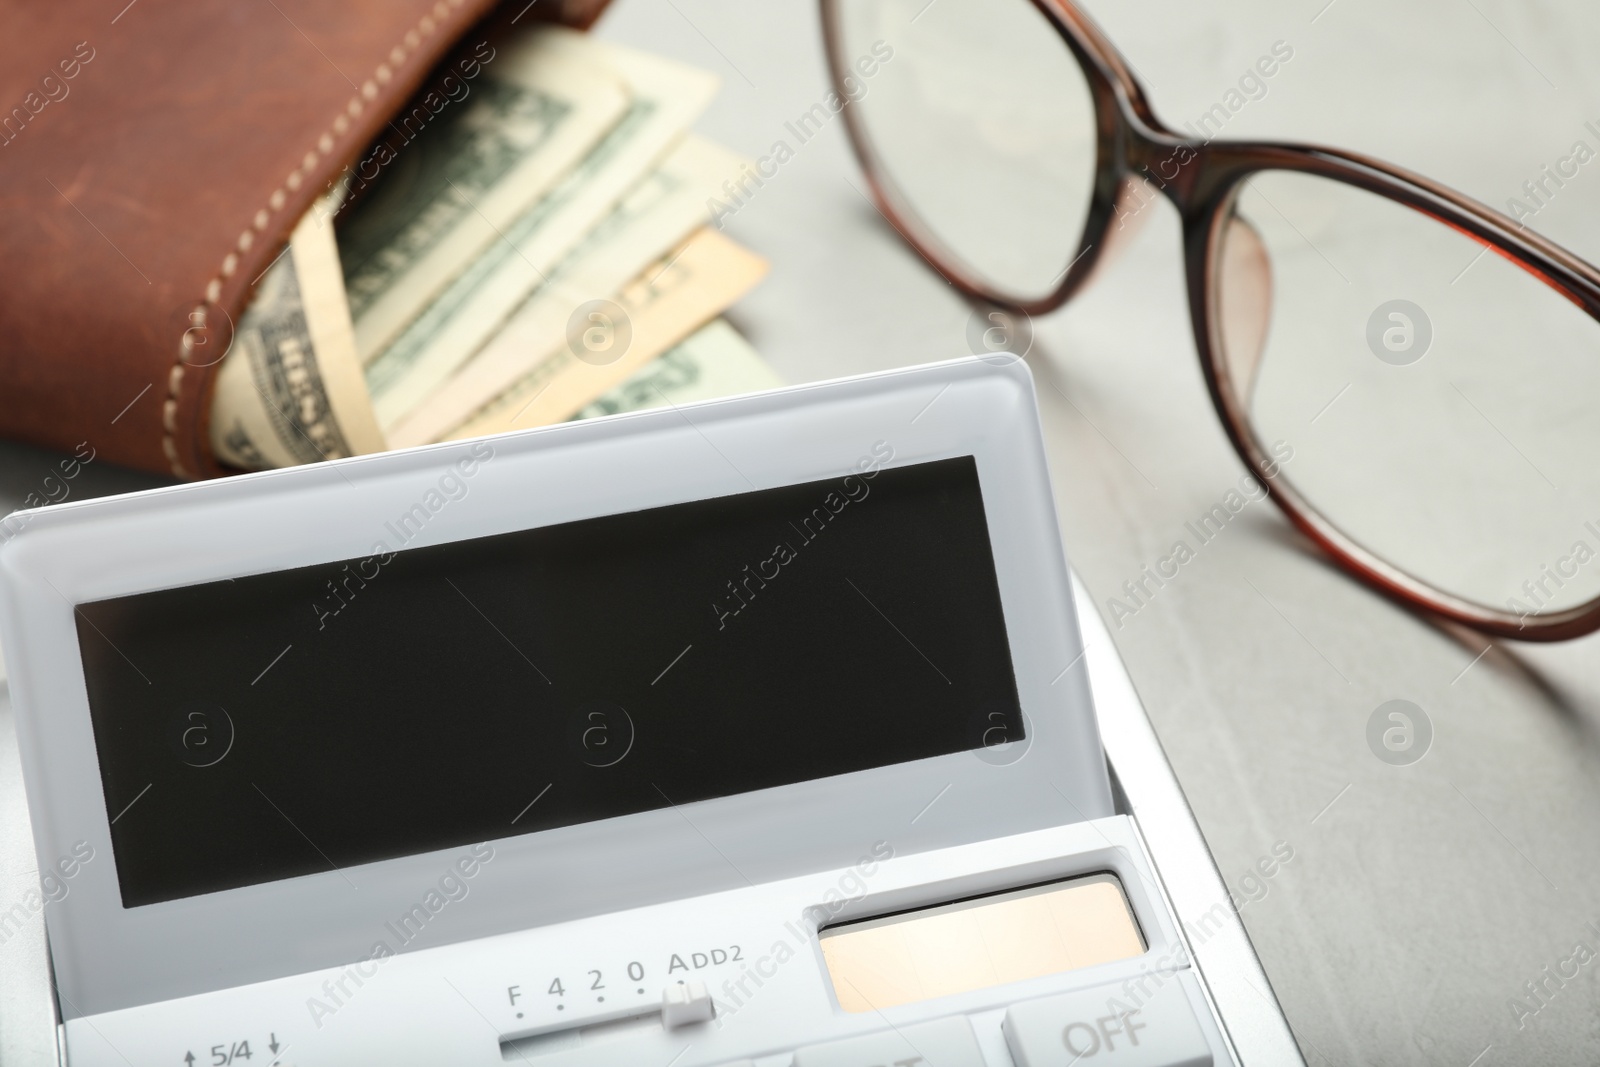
<point x="324" y="145"/>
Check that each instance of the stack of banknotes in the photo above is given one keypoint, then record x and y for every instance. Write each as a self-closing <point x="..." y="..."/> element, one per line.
<point x="531" y="244"/>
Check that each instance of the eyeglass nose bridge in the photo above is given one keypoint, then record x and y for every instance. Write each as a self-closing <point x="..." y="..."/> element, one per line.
<point x="1170" y="163"/>
<point x="1195" y="175"/>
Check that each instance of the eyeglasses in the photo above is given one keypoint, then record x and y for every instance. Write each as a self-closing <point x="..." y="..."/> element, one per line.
<point x="1410" y="375"/>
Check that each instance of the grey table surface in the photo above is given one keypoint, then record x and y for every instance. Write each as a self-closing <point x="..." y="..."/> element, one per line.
<point x="1421" y="900"/>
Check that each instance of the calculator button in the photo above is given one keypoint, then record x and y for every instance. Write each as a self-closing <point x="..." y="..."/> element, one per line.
<point x="941" y="1043"/>
<point x="1112" y="1026"/>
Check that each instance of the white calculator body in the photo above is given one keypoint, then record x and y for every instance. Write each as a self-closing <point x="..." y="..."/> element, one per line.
<point x="761" y="731"/>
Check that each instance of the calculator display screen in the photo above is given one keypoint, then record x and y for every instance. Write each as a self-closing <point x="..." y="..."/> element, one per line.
<point x="288" y="723"/>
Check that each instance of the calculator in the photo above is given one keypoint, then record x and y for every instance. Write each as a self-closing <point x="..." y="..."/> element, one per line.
<point x="768" y="731"/>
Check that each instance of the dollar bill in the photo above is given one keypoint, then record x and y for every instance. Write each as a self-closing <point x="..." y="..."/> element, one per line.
<point x="665" y="98"/>
<point x="440" y="198"/>
<point x="439" y="391"/>
<point x="712" y="362"/>
<point x="290" y="390"/>
<point x="667" y="302"/>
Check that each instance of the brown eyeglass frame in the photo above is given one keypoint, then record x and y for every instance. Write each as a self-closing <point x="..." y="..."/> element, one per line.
<point x="1134" y="144"/>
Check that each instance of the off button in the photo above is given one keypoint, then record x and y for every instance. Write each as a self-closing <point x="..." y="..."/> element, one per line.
<point x="1144" y="1023"/>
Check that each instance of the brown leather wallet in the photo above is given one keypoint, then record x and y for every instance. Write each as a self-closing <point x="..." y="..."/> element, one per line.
<point x="153" y="160"/>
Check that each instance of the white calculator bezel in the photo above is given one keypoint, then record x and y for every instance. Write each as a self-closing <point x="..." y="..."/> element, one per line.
<point x="107" y="957"/>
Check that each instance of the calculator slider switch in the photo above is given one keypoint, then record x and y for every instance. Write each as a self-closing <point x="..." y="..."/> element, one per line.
<point x="683" y="1003"/>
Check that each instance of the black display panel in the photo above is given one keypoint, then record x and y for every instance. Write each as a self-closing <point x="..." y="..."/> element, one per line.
<point x="283" y="724"/>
